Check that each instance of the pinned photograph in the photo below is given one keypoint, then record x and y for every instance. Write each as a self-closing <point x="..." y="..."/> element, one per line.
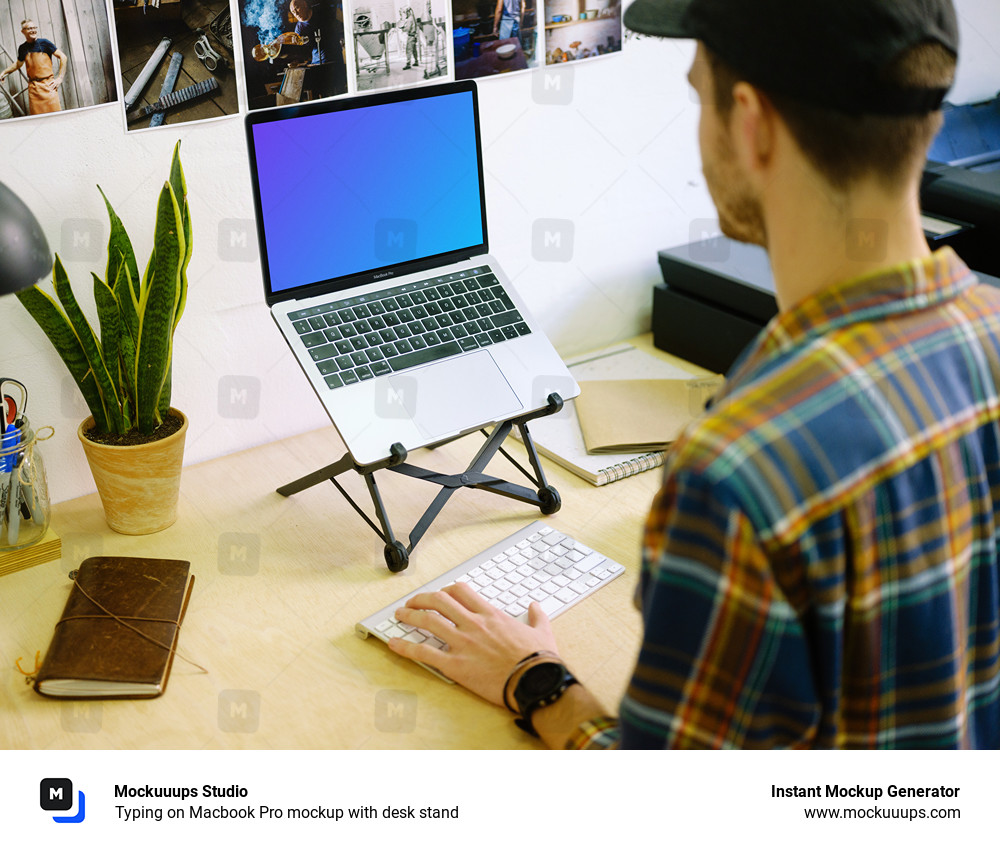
<point x="176" y="60"/>
<point x="399" y="42"/>
<point x="494" y="36"/>
<point x="573" y="32"/>
<point x="55" y="57"/>
<point x="293" y="51"/>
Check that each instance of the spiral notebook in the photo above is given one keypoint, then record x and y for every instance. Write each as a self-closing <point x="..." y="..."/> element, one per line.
<point x="560" y="438"/>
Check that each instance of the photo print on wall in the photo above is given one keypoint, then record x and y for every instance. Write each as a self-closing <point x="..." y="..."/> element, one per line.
<point x="399" y="42"/>
<point x="176" y="60"/>
<point x="581" y="29"/>
<point x="54" y="57"/>
<point x="494" y="36"/>
<point x="293" y="51"/>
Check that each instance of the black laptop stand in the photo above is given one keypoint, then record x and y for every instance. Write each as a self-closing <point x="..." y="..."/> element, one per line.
<point x="397" y="554"/>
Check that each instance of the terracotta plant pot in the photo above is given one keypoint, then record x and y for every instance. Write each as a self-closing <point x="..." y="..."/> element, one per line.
<point x="138" y="485"/>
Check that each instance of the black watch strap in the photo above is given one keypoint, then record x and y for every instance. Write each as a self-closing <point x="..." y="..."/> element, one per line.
<point x="540" y="685"/>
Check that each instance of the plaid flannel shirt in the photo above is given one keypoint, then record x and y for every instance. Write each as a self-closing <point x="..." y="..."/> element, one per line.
<point x="820" y="567"/>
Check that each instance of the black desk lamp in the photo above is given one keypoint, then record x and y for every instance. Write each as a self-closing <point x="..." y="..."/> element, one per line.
<point x="24" y="251"/>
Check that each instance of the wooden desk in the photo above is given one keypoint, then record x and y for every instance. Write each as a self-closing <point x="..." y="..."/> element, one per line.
<point x="279" y="586"/>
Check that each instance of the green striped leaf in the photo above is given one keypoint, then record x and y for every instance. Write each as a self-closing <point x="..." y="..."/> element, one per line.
<point x="91" y="348"/>
<point x="56" y="326"/>
<point x="120" y="250"/>
<point x="179" y="185"/>
<point x="157" y="307"/>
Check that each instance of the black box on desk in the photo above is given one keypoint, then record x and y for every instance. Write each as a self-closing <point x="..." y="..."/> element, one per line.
<point x="716" y="296"/>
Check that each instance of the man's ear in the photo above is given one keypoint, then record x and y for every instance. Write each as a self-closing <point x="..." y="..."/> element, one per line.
<point x="752" y="129"/>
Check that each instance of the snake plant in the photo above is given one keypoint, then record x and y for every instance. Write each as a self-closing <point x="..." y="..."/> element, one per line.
<point x="125" y="372"/>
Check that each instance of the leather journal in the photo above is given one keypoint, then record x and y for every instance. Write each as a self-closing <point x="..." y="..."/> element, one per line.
<point x="118" y="632"/>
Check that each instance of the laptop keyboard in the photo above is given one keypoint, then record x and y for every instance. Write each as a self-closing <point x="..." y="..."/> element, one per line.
<point x="535" y="564"/>
<point x="362" y="337"/>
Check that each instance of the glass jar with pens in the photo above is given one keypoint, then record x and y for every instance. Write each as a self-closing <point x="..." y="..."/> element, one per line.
<point x="24" y="493"/>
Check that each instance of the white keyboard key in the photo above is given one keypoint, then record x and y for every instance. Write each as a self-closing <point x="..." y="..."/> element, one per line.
<point x="572" y="573"/>
<point x="530" y="583"/>
<point x="415" y="637"/>
<point x="586" y="550"/>
<point x="395" y="631"/>
<point x="562" y="581"/>
<point x="518" y="560"/>
<point x="549" y="588"/>
<point x="539" y="595"/>
<point x="385" y="625"/>
<point x="554" y="538"/>
<point x="575" y="556"/>
<point x="566" y="595"/>
<point x="490" y="592"/>
<point x="510" y="551"/>
<point x="582" y="586"/>
<point x="559" y="551"/>
<point x="519" y="590"/>
<point x="516" y="610"/>
<point x="507" y="598"/>
<point x="494" y="574"/>
<point x="502" y="584"/>
<point x="551" y="605"/>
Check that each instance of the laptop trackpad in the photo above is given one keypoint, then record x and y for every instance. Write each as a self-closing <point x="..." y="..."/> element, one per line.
<point x="455" y="395"/>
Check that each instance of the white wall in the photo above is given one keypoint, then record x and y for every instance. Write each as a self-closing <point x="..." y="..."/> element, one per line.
<point x="604" y="148"/>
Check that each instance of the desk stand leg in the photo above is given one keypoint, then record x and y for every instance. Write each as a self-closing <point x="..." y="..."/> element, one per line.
<point x="396" y="553"/>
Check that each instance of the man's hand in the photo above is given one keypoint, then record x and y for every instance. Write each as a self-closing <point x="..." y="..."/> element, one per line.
<point x="484" y="644"/>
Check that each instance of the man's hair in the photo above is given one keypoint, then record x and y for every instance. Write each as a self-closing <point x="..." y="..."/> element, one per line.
<point x="844" y="147"/>
<point x="27" y="21"/>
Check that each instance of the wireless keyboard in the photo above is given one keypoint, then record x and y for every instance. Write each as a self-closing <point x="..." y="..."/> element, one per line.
<point x="535" y="564"/>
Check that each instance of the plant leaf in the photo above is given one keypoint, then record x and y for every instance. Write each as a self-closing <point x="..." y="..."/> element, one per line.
<point x="179" y="185"/>
<point x="56" y="326"/>
<point x="157" y="307"/>
<point x="91" y="349"/>
<point x="120" y="250"/>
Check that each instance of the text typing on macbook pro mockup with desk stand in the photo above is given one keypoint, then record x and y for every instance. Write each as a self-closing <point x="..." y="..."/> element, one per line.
<point x="371" y="217"/>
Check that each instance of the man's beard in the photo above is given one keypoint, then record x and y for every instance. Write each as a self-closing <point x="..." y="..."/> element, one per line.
<point x="741" y="216"/>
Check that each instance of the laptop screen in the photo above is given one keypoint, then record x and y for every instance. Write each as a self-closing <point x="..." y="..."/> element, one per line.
<point x="360" y="189"/>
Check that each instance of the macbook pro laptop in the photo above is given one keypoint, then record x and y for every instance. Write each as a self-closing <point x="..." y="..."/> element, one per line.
<point x="371" y="219"/>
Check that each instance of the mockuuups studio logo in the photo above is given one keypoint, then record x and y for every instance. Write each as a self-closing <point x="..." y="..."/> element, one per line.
<point x="239" y="711"/>
<point x="552" y="240"/>
<point x="56" y="795"/>
<point x="395" y="239"/>
<point x="395" y="711"/>
<point x="397" y="398"/>
<point x="239" y="396"/>
<point x="82" y="239"/>
<point x="237" y="241"/>
<point x="552" y="86"/>
<point x="706" y="244"/>
<point x="867" y="239"/>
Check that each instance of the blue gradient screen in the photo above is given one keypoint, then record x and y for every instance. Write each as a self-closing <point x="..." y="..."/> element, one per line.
<point x="355" y="190"/>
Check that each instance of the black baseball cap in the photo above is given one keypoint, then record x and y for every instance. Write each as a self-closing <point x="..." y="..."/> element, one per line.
<point x="830" y="53"/>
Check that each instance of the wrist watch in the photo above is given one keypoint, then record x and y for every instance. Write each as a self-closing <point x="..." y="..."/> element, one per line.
<point x="539" y="686"/>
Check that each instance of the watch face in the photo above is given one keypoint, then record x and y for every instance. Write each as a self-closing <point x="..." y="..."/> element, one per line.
<point x="540" y="680"/>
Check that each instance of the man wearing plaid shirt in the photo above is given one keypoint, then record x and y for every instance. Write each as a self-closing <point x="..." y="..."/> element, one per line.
<point x="820" y="567"/>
